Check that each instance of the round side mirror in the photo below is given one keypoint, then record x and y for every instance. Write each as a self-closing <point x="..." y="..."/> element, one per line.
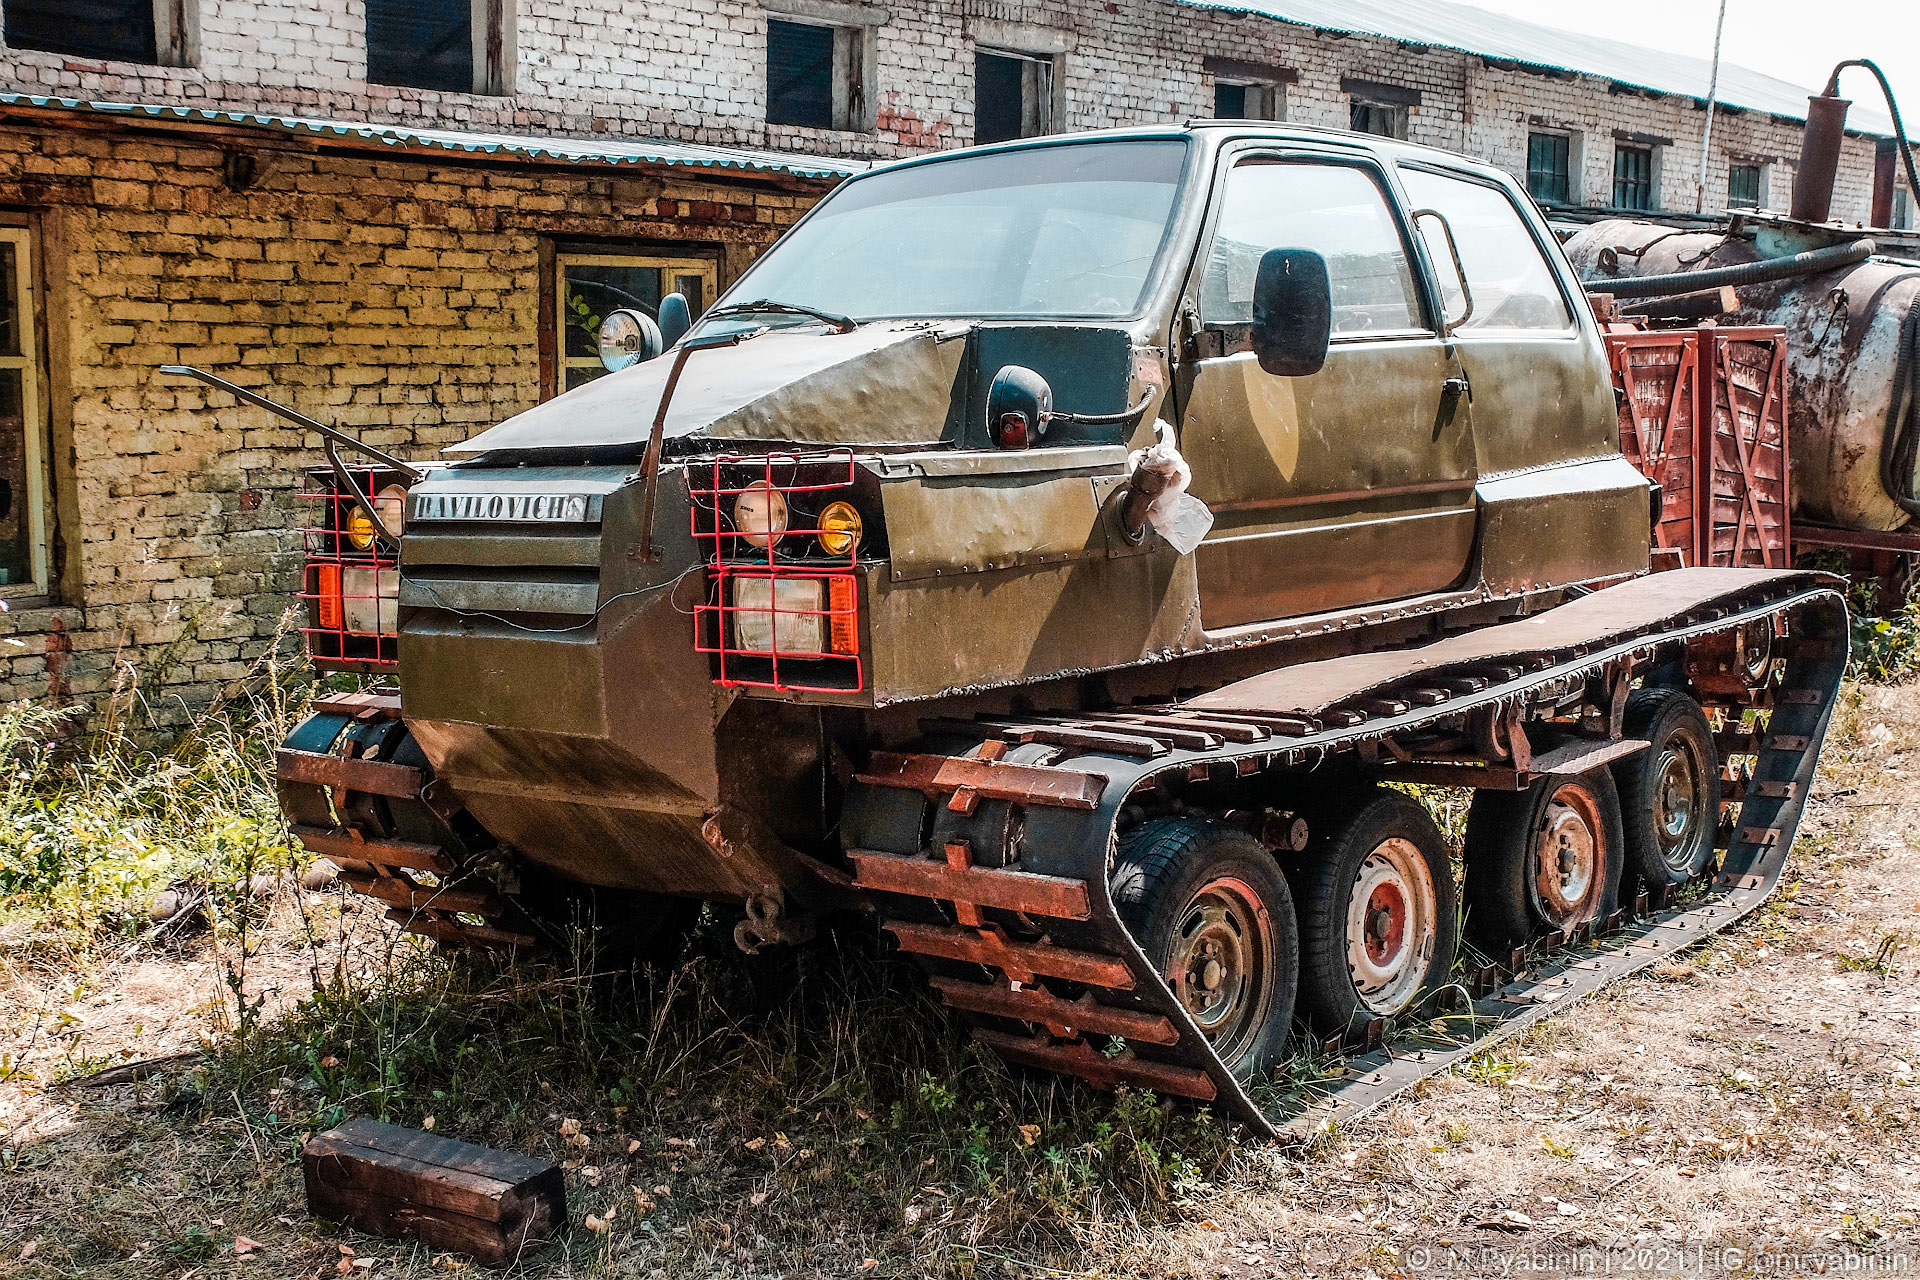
<point x="627" y="338"/>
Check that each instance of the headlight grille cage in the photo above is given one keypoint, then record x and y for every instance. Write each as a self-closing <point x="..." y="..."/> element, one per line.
<point x="351" y="595"/>
<point x="784" y="617"/>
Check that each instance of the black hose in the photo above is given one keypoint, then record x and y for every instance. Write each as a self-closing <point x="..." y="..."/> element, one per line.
<point x="1900" y="445"/>
<point x="1800" y="264"/>
<point x="1893" y="110"/>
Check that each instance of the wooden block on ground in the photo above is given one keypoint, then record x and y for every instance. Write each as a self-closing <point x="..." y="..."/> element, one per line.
<point x="377" y="1177"/>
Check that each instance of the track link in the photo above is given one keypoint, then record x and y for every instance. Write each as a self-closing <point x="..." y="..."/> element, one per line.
<point x="350" y="800"/>
<point x="1035" y="954"/>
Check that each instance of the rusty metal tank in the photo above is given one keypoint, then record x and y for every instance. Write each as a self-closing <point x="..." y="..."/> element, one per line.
<point x="1852" y="332"/>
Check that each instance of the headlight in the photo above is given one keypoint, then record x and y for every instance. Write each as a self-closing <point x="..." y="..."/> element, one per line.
<point x="839" y="529"/>
<point x="390" y="504"/>
<point x="760" y="514"/>
<point x="360" y="531"/>
<point x="628" y="337"/>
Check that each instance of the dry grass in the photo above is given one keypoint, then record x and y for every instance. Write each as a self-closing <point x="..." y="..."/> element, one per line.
<point x="813" y="1113"/>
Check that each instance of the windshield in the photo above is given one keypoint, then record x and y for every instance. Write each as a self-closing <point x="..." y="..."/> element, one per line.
<point x="1043" y="232"/>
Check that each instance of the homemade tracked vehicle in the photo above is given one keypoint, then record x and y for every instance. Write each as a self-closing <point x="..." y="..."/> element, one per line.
<point x="852" y="600"/>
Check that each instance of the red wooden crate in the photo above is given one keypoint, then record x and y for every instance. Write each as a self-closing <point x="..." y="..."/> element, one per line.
<point x="1659" y="373"/>
<point x="1744" y="520"/>
<point x="1704" y="416"/>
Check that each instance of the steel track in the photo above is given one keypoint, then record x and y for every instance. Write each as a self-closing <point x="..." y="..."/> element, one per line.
<point x="1036" y="954"/>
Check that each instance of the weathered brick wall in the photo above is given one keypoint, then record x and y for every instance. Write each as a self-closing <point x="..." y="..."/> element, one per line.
<point x="697" y="71"/>
<point x="398" y="297"/>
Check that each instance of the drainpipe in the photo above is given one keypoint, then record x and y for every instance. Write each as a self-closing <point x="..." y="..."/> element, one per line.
<point x="1713" y="94"/>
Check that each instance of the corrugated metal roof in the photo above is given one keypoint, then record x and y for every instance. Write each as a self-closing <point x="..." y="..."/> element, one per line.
<point x="529" y="146"/>
<point x="1493" y="35"/>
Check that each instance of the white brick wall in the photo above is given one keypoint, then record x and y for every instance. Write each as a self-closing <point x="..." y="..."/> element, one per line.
<point x="696" y="71"/>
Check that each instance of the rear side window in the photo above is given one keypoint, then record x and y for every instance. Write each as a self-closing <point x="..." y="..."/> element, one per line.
<point x="1513" y="285"/>
<point x="1339" y="212"/>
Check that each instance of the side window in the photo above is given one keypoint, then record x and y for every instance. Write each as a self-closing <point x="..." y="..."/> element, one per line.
<point x="1339" y="212"/>
<point x="1513" y="287"/>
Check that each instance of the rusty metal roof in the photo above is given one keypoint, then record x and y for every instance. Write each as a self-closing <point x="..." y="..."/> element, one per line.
<point x="1444" y="25"/>
<point x="533" y="147"/>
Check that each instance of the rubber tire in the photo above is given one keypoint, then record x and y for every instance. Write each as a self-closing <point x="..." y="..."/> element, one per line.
<point x="1499" y="858"/>
<point x="1162" y="863"/>
<point x="1656" y="715"/>
<point x="1322" y="880"/>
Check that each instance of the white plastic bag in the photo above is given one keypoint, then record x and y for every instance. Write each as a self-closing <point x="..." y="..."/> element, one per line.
<point x="1176" y="515"/>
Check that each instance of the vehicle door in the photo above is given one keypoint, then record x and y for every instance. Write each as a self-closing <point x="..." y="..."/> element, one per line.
<point x="1345" y="487"/>
<point x="1531" y="371"/>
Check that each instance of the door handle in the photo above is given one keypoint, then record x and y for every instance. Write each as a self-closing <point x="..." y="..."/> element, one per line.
<point x="1454" y="388"/>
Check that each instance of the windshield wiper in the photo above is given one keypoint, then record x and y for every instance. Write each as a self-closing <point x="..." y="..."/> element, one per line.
<point x="842" y="324"/>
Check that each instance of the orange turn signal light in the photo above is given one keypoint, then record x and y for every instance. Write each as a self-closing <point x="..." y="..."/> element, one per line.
<point x="326" y="594"/>
<point x="843" y="616"/>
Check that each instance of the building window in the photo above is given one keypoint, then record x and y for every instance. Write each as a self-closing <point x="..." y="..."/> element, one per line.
<point x="1382" y="119"/>
<point x="111" y="30"/>
<point x="1549" y="169"/>
<point x="1012" y="95"/>
<point x="1902" y="209"/>
<point x="589" y="285"/>
<point x="23" y="476"/>
<point x="1633" y="177"/>
<point x="1744" y="186"/>
<point x="1245" y="100"/>
<point x="817" y="75"/>
<point x="455" y="46"/>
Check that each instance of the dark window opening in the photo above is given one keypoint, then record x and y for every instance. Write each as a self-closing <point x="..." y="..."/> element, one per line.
<point x="799" y="74"/>
<point x="1743" y="186"/>
<point x="1633" y="177"/>
<point x="115" y="30"/>
<point x="1230" y="101"/>
<point x="423" y="44"/>
<point x="1012" y="96"/>
<point x="1378" y="118"/>
<point x="1549" y="178"/>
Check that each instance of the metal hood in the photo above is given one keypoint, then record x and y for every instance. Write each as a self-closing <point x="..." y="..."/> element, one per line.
<point x="887" y="382"/>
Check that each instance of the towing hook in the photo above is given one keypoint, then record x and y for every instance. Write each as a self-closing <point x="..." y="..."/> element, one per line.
<point x="768" y="925"/>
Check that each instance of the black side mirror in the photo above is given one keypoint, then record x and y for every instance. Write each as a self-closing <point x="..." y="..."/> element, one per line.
<point x="1292" y="312"/>
<point x="675" y="318"/>
<point x="1019" y="405"/>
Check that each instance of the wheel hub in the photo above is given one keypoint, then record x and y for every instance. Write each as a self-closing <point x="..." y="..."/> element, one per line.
<point x="1567" y="858"/>
<point x="1392" y="926"/>
<point x="1222" y="962"/>
<point x="1676" y="807"/>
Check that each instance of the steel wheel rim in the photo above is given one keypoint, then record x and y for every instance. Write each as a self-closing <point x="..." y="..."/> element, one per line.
<point x="1392" y="926"/>
<point x="1222" y="966"/>
<point x="1677" y="804"/>
<point x="1567" y="849"/>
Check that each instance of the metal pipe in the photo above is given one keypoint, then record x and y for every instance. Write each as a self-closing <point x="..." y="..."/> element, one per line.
<point x="1885" y="176"/>
<point x="1800" y="264"/>
<point x="1819" y="156"/>
<point x="1713" y="94"/>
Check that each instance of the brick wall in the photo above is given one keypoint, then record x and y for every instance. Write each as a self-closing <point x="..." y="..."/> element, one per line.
<point x="397" y="297"/>
<point x="696" y="71"/>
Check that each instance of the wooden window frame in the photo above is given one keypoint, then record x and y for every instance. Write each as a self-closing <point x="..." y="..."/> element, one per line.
<point x="32" y="410"/>
<point x="555" y="259"/>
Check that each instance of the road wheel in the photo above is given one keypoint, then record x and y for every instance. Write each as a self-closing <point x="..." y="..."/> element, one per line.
<point x="1543" y="859"/>
<point x="1378" y="926"/>
<point x="1211" y="909"/>
<point x="1669" y="793"/>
